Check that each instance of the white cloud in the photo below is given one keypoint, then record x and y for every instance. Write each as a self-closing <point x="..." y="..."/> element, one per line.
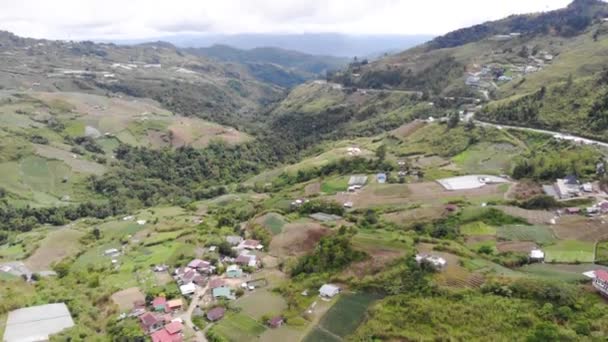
<point x="82" y="19"/>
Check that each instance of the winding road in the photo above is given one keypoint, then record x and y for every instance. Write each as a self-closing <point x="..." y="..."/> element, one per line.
<point x="558" y="135"/>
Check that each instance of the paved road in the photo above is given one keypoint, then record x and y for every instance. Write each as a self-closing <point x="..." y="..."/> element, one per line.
<point x="187" y="316"/>
<point x="559" y="135"/>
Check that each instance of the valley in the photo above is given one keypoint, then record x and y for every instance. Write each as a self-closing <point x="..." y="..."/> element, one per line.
<point x="446" y="192"/>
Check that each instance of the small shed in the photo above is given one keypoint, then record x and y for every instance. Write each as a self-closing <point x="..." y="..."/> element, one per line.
<point x="222" y="292"/>
<point x="233" y="271"/>
<point x="381" y="178"/>
<point x="275" y="322"/>
<point x="537" y="255"/>
<point x="187" y="289"/>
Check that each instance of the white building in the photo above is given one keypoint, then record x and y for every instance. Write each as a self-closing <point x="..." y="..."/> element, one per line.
<point x="537" y="255"/>
<point x="329" y="290"/>
<point x="36" y="323"/>
<point x="187" y="289"/>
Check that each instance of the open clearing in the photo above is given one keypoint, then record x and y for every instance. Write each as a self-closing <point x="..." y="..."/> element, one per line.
<point x="425" y="214"/>
<point x="125" y="298"/>
<point x="407" y="129"/>
<point x="430" y="193"/>
<point x="261" y="302"/>
<point x="568" y="251"/>
<point x="57" y="245"/>
<point x="238" y="327"/>
<point x="297" y="238"/>
<point x="343" y="317"/>
<point x="573" y="227"/>
<point x="453" y="275"/>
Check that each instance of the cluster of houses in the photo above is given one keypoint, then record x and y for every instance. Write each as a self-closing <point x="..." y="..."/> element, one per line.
<point x="567" y="188"/>
<point x="159" y="322"/>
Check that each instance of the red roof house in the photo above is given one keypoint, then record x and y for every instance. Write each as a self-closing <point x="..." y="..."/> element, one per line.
<point x="150" y="322"/>
<point x="601" y="282"/>
<point x="216" y="314"/>
<point x="215" y="283"/>
<point x="171" y="333"/>
<point x="159" y="303"/>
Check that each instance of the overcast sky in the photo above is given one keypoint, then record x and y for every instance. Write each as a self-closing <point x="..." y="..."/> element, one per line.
<point x="127" y="19"/>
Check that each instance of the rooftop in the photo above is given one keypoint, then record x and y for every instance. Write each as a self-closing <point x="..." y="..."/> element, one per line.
<point x="36" y="323"/>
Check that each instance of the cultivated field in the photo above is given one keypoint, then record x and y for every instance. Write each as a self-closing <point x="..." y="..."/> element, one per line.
<point x="574" y="227"/>
<point x="273" y="222"/>
<point x="538" y="234"/>
<point x="342" y="318"/>
<point x="424" y="214"/>
<point x="568" y="251"/>
<point x="515" y="246"/>
<point x="532" y="216"/>
<point x="57" y="245"/>
<point x="562" y="272"/>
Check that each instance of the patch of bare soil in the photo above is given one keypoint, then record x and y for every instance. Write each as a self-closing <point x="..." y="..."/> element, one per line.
<point x="515" y="246"/>
<point x="125" y="298"/>
<point x="297" y="239"/>
<point x="378" y="259"/>
<point x="312" y="189"/>
<point x="406" y="130"/>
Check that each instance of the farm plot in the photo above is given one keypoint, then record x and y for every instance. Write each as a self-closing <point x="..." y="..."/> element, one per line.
<point x="453" y="275"/>
<point x="477" y="229"/>
<point x="562" y="272"/>
<point x="580" y="228"/>
<point x="261" y="302"/>
<point x="515" y="246"/>
<point x="424" y="214"/>
<point x="297" y="238"/>
<point x="77" y="164"/>
<point x="538" y="234"/>
<point x="335" y="184"/>
<point x="487" y="158"/>
<point x="602" y="252"/>
<point x="239" y="327"/>
<point x="532" y="216"/>
<point x="57" y="245"/>
<point x="570" y="251"/>
<point x="273" y="222"/>
<point x="343" y="317"/>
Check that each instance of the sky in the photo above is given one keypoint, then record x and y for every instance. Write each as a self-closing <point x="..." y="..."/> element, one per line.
<point x="137" y="19"/>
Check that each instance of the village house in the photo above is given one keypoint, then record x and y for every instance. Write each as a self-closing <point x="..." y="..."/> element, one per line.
<point x="216" y="314"/>
<point x="566" y="188"/>
<point x="215" y="283"/>
<point x="233" y="271"/>
<point x="159" y="304"/>
<point x="150" y="322"/>
<point x="251" y="245"/>
<point x="357" y="180"/>
<point x="222" y="292"/>
<point x="275" y="322"/>
<point x="329" y="290"/>
<point x="247" y="260"/>
<point x="600" y="282"/>
<point x="187" y="289"/>
<point x="174" y="305"/>
<point x="436" y="261"/>
<point x="536" y="255"/>
<point x="202" y="266"/>
<point x="172" y="332"/>
<point x="381" y="178"/>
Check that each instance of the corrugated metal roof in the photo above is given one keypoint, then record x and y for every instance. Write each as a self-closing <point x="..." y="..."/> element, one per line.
<point x="36" y="323"/>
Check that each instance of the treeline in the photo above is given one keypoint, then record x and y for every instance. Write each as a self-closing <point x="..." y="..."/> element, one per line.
<point x="184" y="174"/>
<point x="554" y="162"/>
<point x="333" y="253"/>
<point x="567" y="22"/>
<point x="25" y="219"/>
<point x="340" y="166"/>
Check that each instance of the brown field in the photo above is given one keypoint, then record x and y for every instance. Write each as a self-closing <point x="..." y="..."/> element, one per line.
<point x="532" y="216"/>
<point x="515" y="246"/>
<point x="427" y="192"/>
<point x="378" y="259"/>
<point x="407" y="129"/>
<point x="573" y="227"/>
<point x="415" y="215"/>
<point x="473" y="239"/>
<point x="297" y="238"/>
<point x="57" y="245"/>
<point x="198" y="133"/>
<point x="430" y="161"/>
<point x="125" y="298"/>
<point x="525" y="190"/>
<point x="312" y="189"/>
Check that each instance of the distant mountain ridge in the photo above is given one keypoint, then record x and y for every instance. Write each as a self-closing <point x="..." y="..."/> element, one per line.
<point x="332" y="44"/>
